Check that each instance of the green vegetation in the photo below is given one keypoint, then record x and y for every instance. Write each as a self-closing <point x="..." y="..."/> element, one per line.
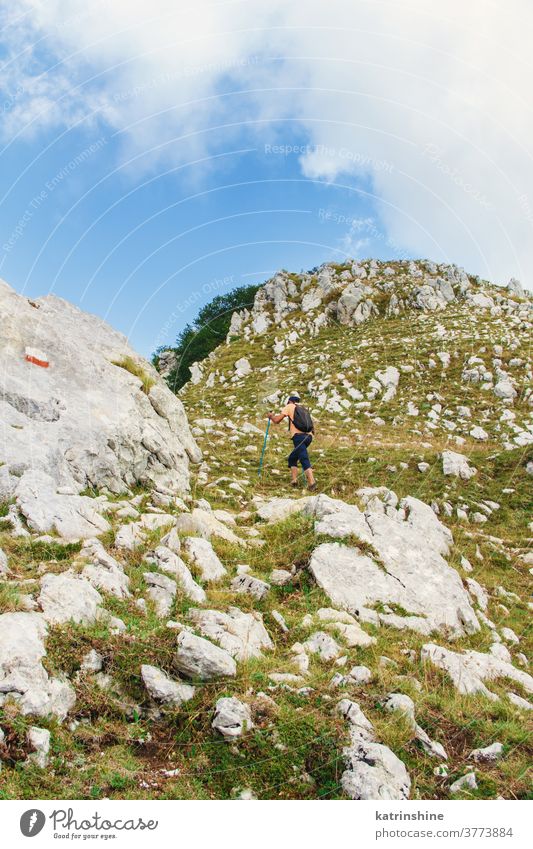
<point x="129" y="364"/>
<point x="208" y="330"/>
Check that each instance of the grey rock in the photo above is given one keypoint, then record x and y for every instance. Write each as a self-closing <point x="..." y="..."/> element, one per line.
<point x="68" y="597"/>
<point x="373" y="771"/>
<point x="504" y="389"/>
<point x="198" y="658"/>
<point x="243" y="635"/>
<point x="232" y="718"/>
<point x="411" y="544"/>
<point x="103" y="571"/>
<point x="489" y="754"/>
<point x="162" y="591"/>
<point x="206" y="525"/>
<point x="169" y="562"/>
<point x="470" y="669"/>
<point x="202" y="554"/>
<point x="39" y="740"/>
<point x="323" y="645"/>
<point x="22" y="674"/>
<point x="280" y="577"/>
<point x="73" y="517"/>
<point x="278" y="617"/>
<point x="466" y="782"/>
<point x="277" y="509"/>
<point x="243" y="367"/>
<point x="88" y="420"/>
<point x="359" y="675"/>
<point x="519" y="702"/>
<point x="250" y="585"/>
<point x="164" y="689"/>
<point x="514" y="287"/>
<point x="348" y="302"/>
<point x="92" y="662"/>
<point x="457" y="465"/>
<point x="404" y="704"/>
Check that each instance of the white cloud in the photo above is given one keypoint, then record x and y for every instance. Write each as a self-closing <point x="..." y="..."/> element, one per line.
<point x="428" y="102"/>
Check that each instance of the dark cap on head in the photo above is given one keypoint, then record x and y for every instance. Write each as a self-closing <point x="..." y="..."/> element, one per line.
<point x="294" y="398"/>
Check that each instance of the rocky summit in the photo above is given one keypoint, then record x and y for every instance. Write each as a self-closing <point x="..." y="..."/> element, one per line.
<point x="178" y="622"/>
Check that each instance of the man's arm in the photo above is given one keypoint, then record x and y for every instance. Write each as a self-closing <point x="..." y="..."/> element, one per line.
<point x="276" y="418"/>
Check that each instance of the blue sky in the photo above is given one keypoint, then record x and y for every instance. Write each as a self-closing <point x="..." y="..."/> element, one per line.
<point x="152" y="158"/>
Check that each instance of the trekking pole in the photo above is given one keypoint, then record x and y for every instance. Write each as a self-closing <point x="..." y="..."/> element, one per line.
<point x="264" y="448"/>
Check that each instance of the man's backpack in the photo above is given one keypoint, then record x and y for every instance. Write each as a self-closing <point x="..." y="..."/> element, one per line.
<point x="302" y="419"/>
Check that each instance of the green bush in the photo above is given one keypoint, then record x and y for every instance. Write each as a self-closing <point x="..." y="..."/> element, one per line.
<point x="208" y="330"/>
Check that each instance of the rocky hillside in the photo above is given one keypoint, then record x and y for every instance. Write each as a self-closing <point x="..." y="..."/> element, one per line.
<point x="208" y="632"/>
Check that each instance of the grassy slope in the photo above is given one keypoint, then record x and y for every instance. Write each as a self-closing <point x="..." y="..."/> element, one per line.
<point x="121" y="745"/>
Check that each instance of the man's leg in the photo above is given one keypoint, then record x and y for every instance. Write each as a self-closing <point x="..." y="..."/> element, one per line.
<point x="293" y="465"/>
<point x="306" y="462"/>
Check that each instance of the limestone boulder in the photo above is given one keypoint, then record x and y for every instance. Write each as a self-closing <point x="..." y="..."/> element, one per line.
<point x="198" y="658"/>
<point x="68" y="597"/>
<point x="171" y="563"/>
<point x="243" y="635"/>
<point x="406" y="565"/>
<point x="457" y="465"/>
<point x="372" y="771"/>
<point x="470" y="669"/>
<point x="232" y="718"/>
<point x="206" y="525"/>
<point x="164" y="689"/>
<point x="94" y="414"/>
<point x="201" y="554"/>
<point x="22" y="674"/>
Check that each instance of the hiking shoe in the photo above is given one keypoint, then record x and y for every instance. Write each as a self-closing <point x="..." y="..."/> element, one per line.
<point x="295" y="484"/>
<point x="312" y="487"/>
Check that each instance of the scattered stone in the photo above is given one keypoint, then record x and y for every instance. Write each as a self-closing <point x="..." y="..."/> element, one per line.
<point x="410" y="543"/>
<point x="323" y="645"/>
<point x="22" y="675"/>
<point x="405" y="705"/>
<point x="162" y="591"/>
<point x="39" y="740"/>
<point x="277" y="616"/>
<point x="359" y="675"/>
<point x="67" y="597"/>
<point x="519" y="702"/>
<point x="103" y="571"/>
<point x="470" y="669"/>
<point x="169" y="562"/>
<point x="92" y="662"/>
<point x="243" y="635"/>
<point x="457" y="465"/>
<point x="280" y="577"/>
<point x="198" y="658"/>
<point x="202" y="554"/>
<point x="489" y="754"/>
<point x="251" y="586"/>
<point x="373" y="771"/>
<point x="205" y="524"/>
<point x="164" y="689"/>
<point x="466" y="782"/>
<point x="232" y="718"/>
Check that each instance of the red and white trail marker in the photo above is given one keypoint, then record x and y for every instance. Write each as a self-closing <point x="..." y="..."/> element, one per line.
<point x="37" y="357"/>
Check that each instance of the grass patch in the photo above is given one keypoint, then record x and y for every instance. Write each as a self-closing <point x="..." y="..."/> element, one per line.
<point x="129" y="364"/>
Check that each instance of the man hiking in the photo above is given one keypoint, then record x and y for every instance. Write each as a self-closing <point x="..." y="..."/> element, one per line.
<point x="301" y="430"/>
